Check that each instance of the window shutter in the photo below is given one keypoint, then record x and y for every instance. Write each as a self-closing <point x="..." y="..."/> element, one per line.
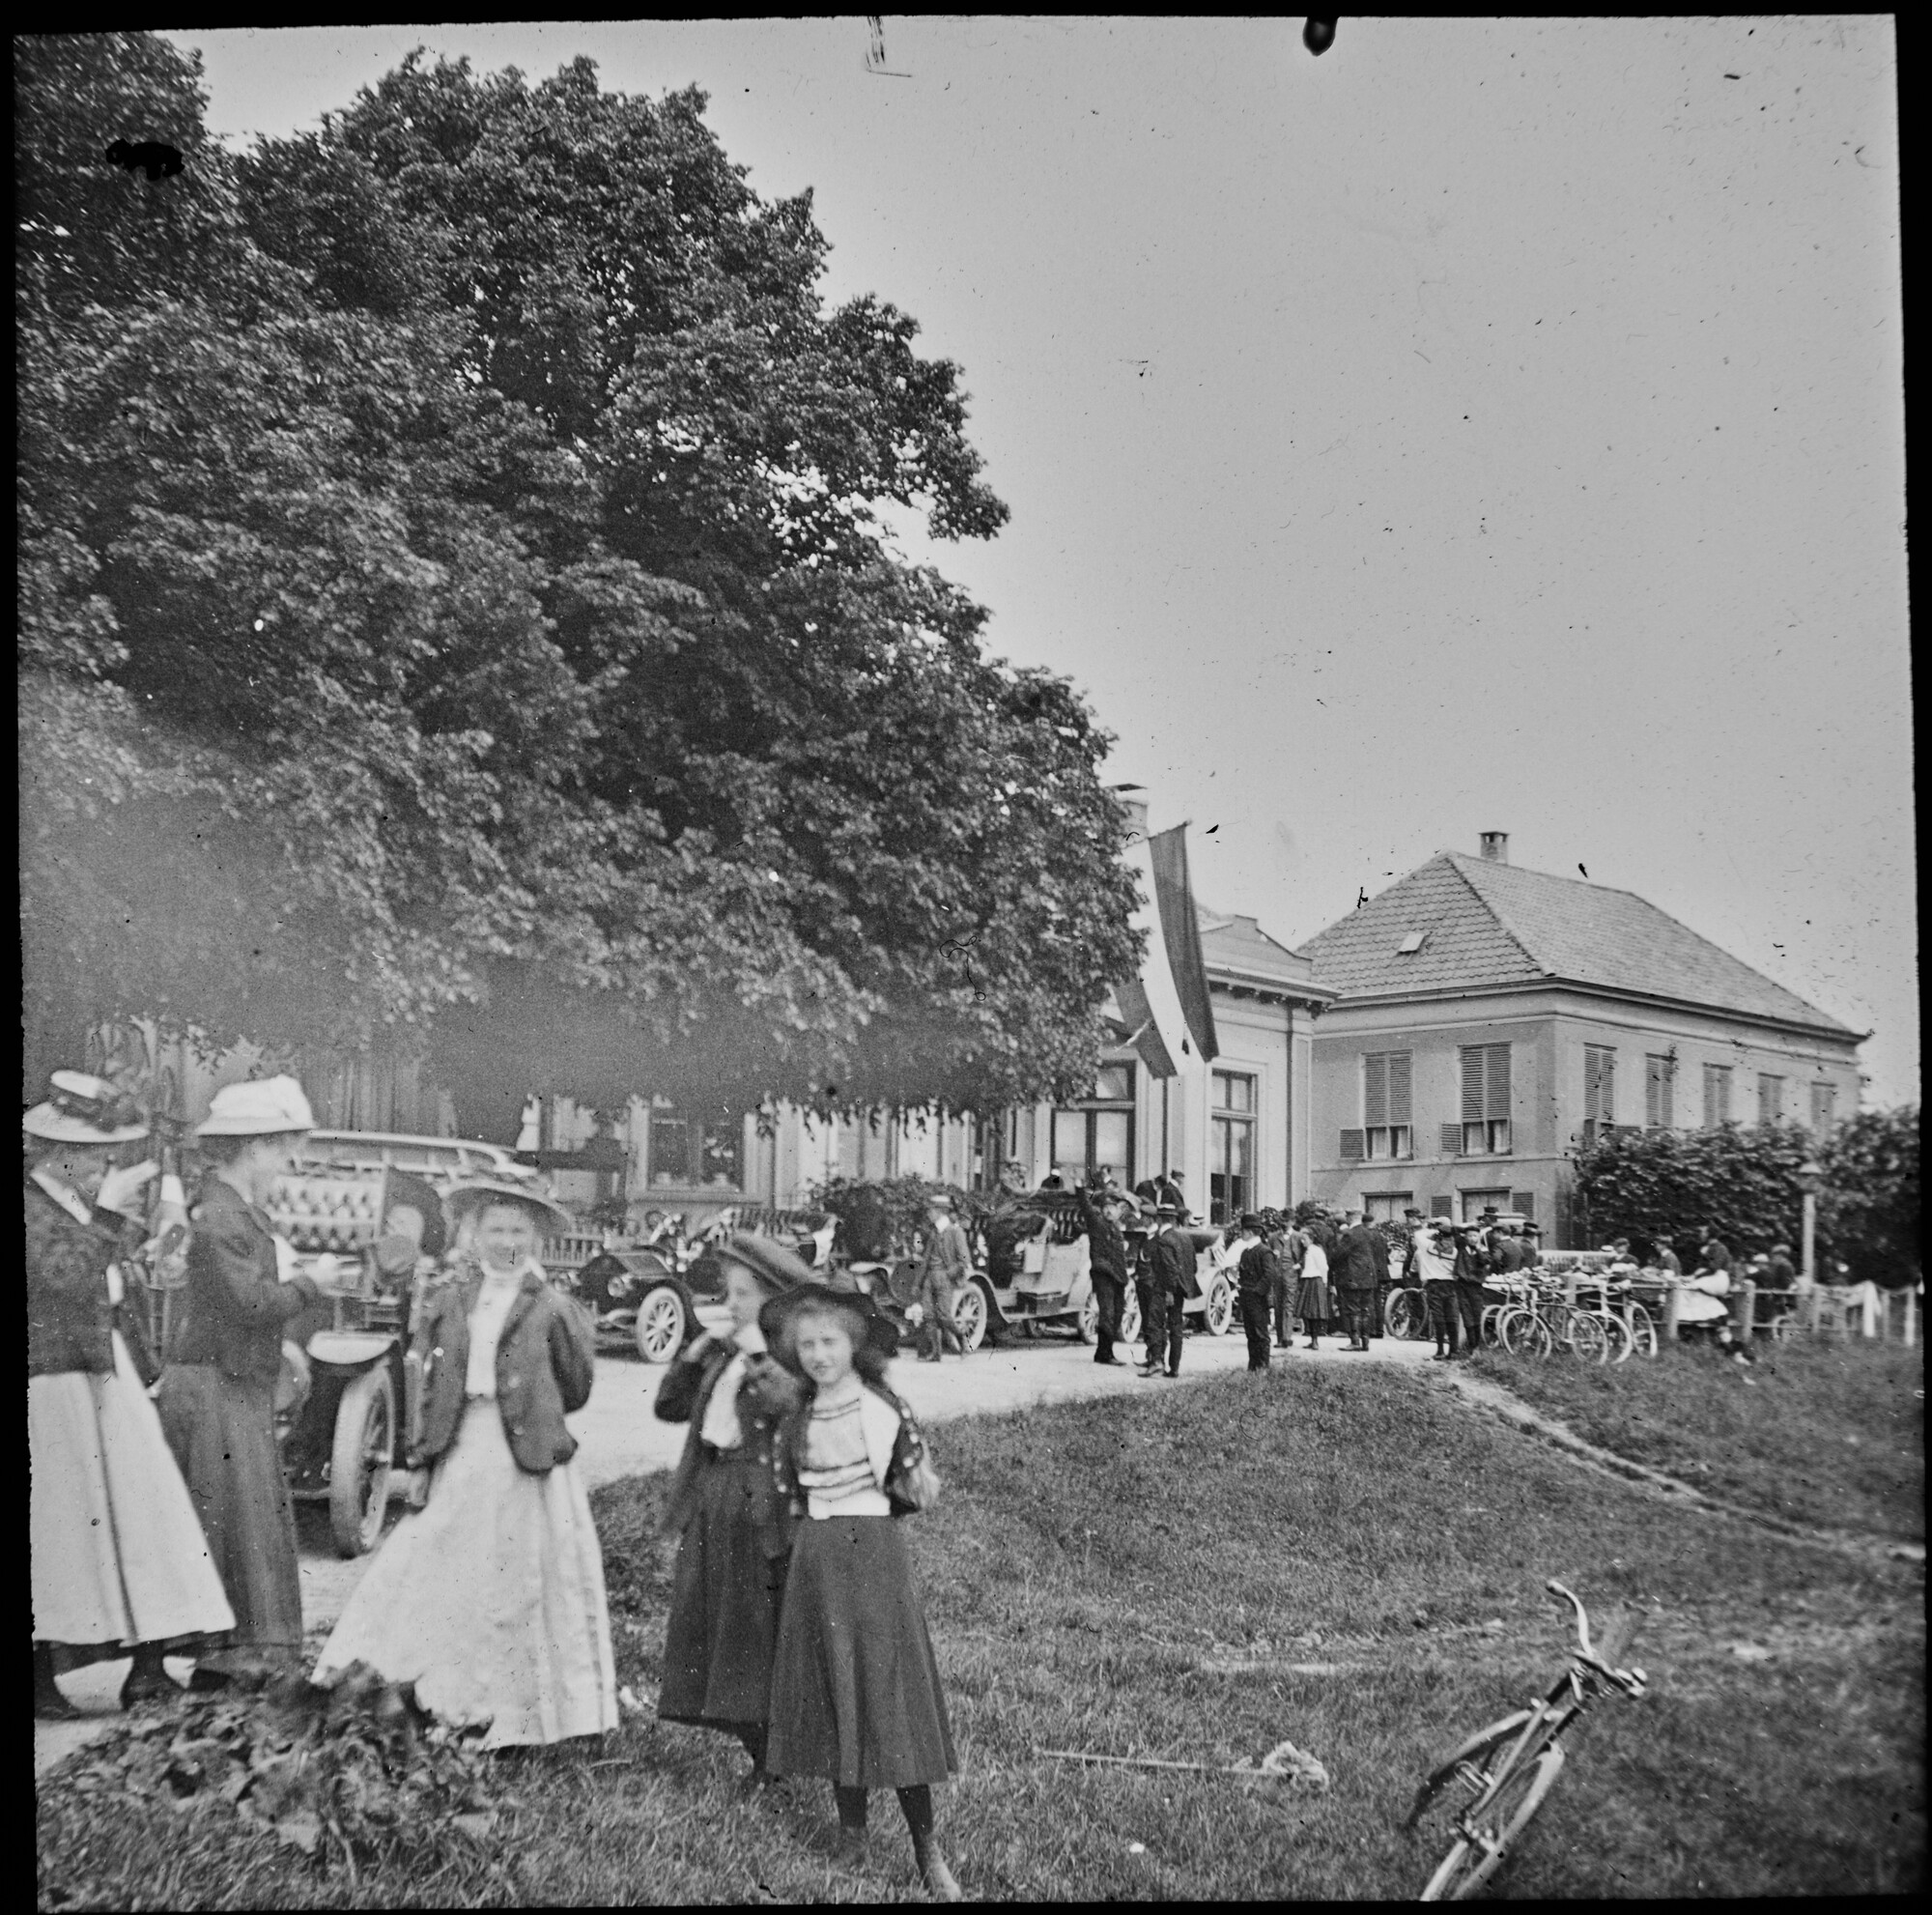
<point x="1473" y="1083"/>
<point x="1524" y="1202"/>
<point x="1452" y="1140"/>
<point x="1353" y="1149"/>
<point x="1442" y="1207"/>
<point x="1497" y="1073"/>
<point x="1397" y="1087"/>
<point x="1374" y="1090"/>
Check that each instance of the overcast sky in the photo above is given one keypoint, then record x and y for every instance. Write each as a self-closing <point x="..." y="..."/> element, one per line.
<point x="1484" y="426"/>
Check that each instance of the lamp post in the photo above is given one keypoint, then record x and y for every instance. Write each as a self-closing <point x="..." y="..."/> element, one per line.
<point x="1811" y="1181"/>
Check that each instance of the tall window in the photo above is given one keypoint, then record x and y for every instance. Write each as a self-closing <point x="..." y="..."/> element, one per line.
<point x="1231" y="1170"/>
<point x="1387" y="1206"/>
<point x="1098" y="1133"/>
<point x="1486" y="1098"/>
<point x="1769" y="1099"/>
<point x="695" y="1149"/>
<point x="1385" y="1113"/>
<point x="1716" y="1095"/>
<point x="1659" y="1085"/>
<point x="1599" y="1090"/>
<point x="1824" y="1109"/>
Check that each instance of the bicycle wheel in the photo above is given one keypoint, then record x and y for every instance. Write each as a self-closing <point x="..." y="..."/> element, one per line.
<point x="1618" y="1333"/>
<point x="1642" y="1331"/>
<point x="1494" y="1827"/>
<point x="1522" y="1332"/>
<point x="1492" y="1315"/>
<point x="1586" y="1337"/>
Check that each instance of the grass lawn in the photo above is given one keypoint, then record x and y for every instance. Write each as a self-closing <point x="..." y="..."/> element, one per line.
<point x="1819" y="1432"/>
<point x="1094" y="1577"/>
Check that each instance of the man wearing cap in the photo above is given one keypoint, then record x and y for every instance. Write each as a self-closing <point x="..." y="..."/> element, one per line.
<point x="218" y="1395"/>
<point x="1666" y="1257"/>
<point x="1257" y="1274"/>
<point x="947" y="1264"/>
<point x="1171" y="1268"/>
<point x="1433" y="1248"/>
<point x="1106" y="1269"/>
<point x="116" y="1550"/>
<point x="1472" y="1271"/>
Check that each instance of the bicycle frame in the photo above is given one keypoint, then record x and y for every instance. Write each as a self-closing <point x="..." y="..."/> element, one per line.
<point x="1524" y="1748"/>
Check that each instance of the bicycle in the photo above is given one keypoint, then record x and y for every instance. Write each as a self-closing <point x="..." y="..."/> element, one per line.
<point x="1549" y="1320"/>
<point x="1638" y="1325"/>
<point x="1511" y="1767"/>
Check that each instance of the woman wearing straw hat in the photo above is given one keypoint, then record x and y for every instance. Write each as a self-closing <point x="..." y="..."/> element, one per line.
<point x="218" y="1395"/>
<point x="733" y="1527"/>
<point x="489" y="1597"/>
<point x="118" y="1556"/>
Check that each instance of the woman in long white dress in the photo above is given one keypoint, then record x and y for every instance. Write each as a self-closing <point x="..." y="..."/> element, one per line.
<point x="489" y="1599"/>
<point x="119" y="1561"/>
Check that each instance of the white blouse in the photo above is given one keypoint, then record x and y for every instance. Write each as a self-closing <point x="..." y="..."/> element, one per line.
<point x="721" y="1427"/>
<point x="487" y="1317"/>
<point x="836" y="1471"/>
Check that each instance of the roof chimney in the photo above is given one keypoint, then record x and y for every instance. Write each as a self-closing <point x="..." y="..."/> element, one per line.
<point x="1496" y="847"/>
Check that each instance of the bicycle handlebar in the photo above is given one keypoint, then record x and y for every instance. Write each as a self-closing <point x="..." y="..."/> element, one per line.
<point x="1631" y="1680"/>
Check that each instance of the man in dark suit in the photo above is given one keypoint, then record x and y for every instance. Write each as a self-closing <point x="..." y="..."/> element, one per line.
<point x="1355" y="1270"/>
<point x="1172" y="1259"/>
<point x="1259" y="1275"/>
<point x="1106" y="1266"/>
<point x="1472" y="1269"/>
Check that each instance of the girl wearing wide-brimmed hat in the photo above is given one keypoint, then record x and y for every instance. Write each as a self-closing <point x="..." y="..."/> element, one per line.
<point x="218" y="1395"/>
<point x="118" y="1557"/>
<point x="855" y="1687"/>
<point x="735" y="1527"/>
<point x="489" y="1597"/>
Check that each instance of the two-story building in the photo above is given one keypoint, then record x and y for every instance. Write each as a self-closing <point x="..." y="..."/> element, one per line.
<point x="1487" y="1019"/>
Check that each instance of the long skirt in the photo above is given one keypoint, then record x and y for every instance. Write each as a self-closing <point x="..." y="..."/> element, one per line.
<point x="117" y="1554"/>
<point x="727" y="1592"/>
<point x="1316" y="1301"/>
<point x="490" y="1598"/>
<point x="855" y="1687"/>
<point x="222" y="1432"/>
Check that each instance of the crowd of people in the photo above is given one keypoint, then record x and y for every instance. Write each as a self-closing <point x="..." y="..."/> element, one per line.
<point x="161" y="1524"/>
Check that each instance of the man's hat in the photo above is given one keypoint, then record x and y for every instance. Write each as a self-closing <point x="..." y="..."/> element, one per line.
<point x="771" y="1262"/>
<point x="1411" y="1209"/>
<point x="1166" y="1209"/>
<point x="1490" y="1210"/>
<point x="268" y="1106"/>
<point x="871" y="1327"/>
<point x="938" y="1200"/>
<point x="1250" y="1220"/>
<point x="80" y="1110"/>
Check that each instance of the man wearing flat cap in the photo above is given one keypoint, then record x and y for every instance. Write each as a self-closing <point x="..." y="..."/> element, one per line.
<point x="1258" y="1275"/>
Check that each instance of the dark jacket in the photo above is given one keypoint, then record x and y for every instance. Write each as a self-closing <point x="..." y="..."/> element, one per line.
<point x="1171" y="1257"/>
<point x="908" y="1447"/>
<point x="235" y="1307"/>
<point x="1354" y="1265"/>
<point x="69" y="1320"/>
<point x="545" y="1361"/>
<point x="1472" y="1263"/>
<point x="1106" y="1247"/>
<point x="685" y="1395"/>
<point x="1258" y="1269"/>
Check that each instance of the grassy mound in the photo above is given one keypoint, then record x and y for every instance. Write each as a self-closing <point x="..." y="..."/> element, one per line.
<point x="1349" y="1559"/>
<point x="1819" y="1432"/>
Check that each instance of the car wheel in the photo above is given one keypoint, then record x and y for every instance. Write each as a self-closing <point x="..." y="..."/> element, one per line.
<point x="359" y="1461"/>
<point x="1220" y="1310"/>
<point x="1130" y="1319"/>
<point x="662" y="1322"/>
<point x="972" y="1313"/>
<point x="1087" y="1324"/>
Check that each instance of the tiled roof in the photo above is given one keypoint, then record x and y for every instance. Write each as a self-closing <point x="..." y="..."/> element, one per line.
<point x="1491" y="923"/>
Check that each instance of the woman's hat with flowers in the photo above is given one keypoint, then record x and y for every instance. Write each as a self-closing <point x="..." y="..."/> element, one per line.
<point x="80" y="1110"/>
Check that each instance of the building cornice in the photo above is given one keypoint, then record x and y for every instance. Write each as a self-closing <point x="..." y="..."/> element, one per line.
<point x="1550" y="981"/>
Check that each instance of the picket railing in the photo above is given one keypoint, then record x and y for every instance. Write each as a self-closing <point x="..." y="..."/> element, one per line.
<point x="1859" y="1309"/>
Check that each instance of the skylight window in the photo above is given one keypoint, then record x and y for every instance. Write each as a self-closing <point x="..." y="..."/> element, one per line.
<point x="1412" y="944"/>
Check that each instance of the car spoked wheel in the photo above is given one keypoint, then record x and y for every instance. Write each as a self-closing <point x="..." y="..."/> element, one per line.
<point x="359" y="1461"/>
<point x="970" y="1316"/>
<point x="661" y="1324"/>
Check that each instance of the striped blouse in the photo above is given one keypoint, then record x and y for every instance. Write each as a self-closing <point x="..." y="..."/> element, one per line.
<point x="835" y="1471"/>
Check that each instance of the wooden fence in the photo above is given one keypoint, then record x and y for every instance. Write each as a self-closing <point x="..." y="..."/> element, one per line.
<point x="1859" y="1309"/>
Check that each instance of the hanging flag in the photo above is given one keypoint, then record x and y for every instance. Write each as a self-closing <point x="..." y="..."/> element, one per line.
<point x="1143" y="1033"/>
<point x="1181" y="932"/>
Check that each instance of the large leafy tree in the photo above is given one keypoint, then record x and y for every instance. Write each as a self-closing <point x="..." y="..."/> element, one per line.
<point x="453" y="603"/>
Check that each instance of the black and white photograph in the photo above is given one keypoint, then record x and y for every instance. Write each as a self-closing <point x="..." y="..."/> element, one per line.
<point x="804" y="802"/>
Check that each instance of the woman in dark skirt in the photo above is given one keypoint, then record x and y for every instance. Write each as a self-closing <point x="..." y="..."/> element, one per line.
<point x="1316" y="1304"/>
<point x="733" y="1526"/>
<point x="218" y="1394"/>
<point x="855" y="1686"/>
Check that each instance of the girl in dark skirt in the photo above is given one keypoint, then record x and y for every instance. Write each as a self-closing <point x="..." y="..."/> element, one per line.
<point x="1316" y="1304"/>
<point x="855" y="1687"/>
<point x="733" y="1525"/>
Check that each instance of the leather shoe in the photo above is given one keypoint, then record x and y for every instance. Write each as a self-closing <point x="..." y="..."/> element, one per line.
<point x="144" y="1685"/>
<point x="1118" y="1363"/>
<point x="938" y="1879"/>
<point x="205" y="1681"/>
<point x="53" y="1706"/>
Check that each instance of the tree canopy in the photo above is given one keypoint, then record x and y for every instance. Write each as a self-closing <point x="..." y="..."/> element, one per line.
<point x="455" y="611"/>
